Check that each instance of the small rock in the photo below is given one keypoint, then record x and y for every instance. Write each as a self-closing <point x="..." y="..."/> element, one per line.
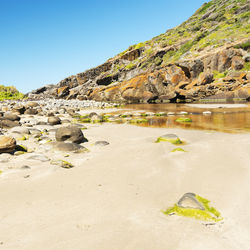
<point x="101" y="143"/>
<point x="39" y="157"/>
<point x="54" y="120"/>
<point x="11" y="116"/>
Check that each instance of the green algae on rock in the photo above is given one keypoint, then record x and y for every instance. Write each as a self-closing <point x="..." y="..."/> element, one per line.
<point x="183" y="120"/>
<point x="21" y="148"/>
<point x="133" y="121"/>
<point x="194" y="206"/>
<point x="62" y="163"/>
<point x="178" y="150"/>
<point x="172" y="138"/>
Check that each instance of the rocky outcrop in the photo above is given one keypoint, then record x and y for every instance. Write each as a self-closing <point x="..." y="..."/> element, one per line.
<point x="187" y="63"/>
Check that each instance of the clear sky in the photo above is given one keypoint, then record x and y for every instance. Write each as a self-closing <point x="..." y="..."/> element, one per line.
<point x="44" y="41"/>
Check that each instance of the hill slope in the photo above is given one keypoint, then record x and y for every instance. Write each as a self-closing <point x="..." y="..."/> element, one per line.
<point x="207" y="56"/>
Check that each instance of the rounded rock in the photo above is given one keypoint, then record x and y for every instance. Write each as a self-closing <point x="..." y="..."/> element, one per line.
<point x="7" y="144"/>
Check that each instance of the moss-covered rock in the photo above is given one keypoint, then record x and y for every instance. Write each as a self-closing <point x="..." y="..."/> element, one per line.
<point x="183" y="120"/>
<point x="172" y="138"/>
<point x="62" y="164"/>
<point x="194" y="206"/>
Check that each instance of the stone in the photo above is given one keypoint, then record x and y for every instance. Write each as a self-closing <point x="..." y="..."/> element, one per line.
<point x="70" y="133"/>
<point x="189" y="200"/>
<point x="8" y="124"/>
<point x="11" y="116"/>
<point x="30" y="111"/>
<point x="205" y="78"/>
<point x="32" y="104"/>
<point x="20" y="130"/>
<point x="7" y="144"/>
<point x="67" y="147"/>
<point x="38" y="157"/>
<point x="62" y="164"/>
<point x="172" y="138"/>
<point x="19" y="108"/>
<point x="246" y="57"/>
<point x="54" y="120"/>
<point x="63" y="91"/>
<point x="101" y="143"/>
<point x="237" y="63"/>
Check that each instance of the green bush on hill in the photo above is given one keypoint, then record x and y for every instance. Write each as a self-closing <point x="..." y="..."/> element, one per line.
<point x="10" y="93"/>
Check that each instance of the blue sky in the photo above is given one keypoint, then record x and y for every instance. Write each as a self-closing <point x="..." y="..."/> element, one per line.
<point x="44" y="41"/>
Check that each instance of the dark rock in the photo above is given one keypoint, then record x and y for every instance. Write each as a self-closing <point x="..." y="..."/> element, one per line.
<point x="70" y="133"/>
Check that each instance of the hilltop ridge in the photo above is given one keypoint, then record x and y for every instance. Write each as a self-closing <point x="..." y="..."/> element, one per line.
<point x="205" y="57"/>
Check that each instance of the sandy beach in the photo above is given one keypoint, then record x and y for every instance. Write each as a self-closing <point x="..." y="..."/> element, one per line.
<point x="114" y="196"/>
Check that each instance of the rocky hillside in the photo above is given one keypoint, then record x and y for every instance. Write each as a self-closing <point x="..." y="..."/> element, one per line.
<point x="206" y="57"/>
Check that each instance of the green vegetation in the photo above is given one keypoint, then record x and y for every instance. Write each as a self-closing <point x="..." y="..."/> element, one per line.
<point x="246" y="67"/>
<point x="223" y="25"/>
<point x="130" y="66"/>
<point x="218" y="75"/>
<point x="139" y="45"/>
<point x="10" y="93"/>
<point x="245" y="46"/>
<point x="204" y="7"/>
<point x="136" y="121"/>
<point x="208" y="214"/>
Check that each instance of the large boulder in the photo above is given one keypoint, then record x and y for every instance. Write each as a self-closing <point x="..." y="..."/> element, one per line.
<point x="7" y="144"/>
<point x="70" y="133"/>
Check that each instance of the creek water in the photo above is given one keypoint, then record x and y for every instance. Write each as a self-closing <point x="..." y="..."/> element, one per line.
<point x="231" y="118"/>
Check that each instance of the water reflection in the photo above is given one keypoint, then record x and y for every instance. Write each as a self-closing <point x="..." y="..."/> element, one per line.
<point x="231" y="120"/>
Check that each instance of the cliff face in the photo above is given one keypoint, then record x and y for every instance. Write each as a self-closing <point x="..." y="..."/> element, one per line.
<point x="207" y="56"/>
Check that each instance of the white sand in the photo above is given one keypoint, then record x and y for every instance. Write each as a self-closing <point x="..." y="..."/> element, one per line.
<point x="112" y="199"/>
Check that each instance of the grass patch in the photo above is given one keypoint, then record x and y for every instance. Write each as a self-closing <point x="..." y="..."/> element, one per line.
<point x="246" y="67"/>
<point x="218" y="75"/>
